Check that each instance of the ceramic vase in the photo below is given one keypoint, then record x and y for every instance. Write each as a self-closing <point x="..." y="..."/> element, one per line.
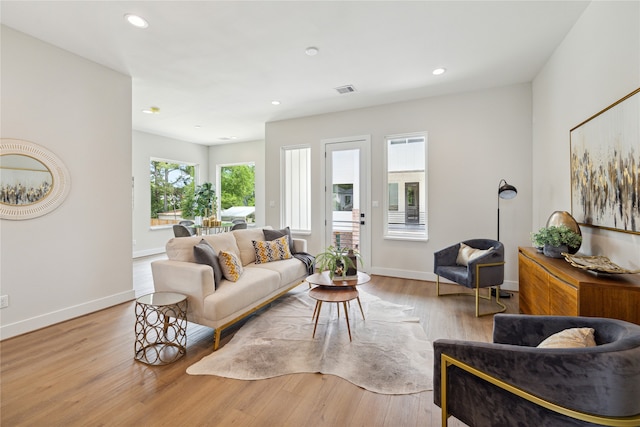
<point x="555" y="251"/>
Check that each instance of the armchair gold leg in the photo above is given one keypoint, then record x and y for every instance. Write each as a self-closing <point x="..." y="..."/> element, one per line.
<point x="476" y="292"/>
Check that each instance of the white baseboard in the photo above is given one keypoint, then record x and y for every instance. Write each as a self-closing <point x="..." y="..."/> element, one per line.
<point x="68" y="313"/>
<point x="148" y="252"/>
<point x="508" y="285"/>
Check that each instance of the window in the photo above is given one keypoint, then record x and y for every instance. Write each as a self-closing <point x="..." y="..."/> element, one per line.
<point x="406" y="207"/>
<point x="296" y="184"/>
<point x="238" y="192"/>
<point x="172" y="188"/>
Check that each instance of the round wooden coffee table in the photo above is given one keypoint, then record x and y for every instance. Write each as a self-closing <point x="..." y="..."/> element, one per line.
<point x="335" y="291"/>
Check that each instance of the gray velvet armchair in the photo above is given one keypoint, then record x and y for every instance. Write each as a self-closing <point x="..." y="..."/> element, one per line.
<point x="481" y="272"/>
<point x="574" y="386"/>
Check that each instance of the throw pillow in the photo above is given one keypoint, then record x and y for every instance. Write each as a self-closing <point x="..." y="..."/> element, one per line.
<point x="466" y="254"/>
<point x="570" y="338"/>
<point x="231" y="265"/>
<point x="272" y="250"/>
<point x="276" y="234"/>
<point x="204" y="253"/>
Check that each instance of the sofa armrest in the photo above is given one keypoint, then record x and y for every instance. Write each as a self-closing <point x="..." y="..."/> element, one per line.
<point x="300" y="245"/>
<point x="187" y="278"/>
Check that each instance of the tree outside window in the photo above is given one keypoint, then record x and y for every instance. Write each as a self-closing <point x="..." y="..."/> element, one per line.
<point x="237" y="186"/>
<point x="172" y="188"/>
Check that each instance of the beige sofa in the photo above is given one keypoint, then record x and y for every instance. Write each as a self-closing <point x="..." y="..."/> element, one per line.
<point x="220" y="307"/>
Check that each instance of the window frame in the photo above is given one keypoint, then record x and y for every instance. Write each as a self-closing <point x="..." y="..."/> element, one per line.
<point x="423" y="195"/>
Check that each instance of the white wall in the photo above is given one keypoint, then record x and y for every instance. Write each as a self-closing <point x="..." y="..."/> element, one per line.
<point x="76" y="259"/>
<point x="474" y="140"/>
<point x="243" y="152"/>
<point x="147" y="241"/>
<point x="597" y="64"/>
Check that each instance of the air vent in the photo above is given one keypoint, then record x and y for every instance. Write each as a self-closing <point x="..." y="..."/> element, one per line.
<point x="345" y="89"/>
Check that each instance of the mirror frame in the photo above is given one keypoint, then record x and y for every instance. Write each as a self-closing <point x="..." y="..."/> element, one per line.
<point x="60" y="186"/>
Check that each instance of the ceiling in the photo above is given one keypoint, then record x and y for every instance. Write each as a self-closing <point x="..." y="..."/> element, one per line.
<point x="213" y="68"/>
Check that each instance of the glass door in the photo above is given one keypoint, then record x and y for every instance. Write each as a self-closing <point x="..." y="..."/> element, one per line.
<point x="346" y="197"/>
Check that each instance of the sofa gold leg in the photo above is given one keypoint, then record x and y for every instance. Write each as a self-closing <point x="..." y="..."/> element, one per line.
<point x="216" y="339"/>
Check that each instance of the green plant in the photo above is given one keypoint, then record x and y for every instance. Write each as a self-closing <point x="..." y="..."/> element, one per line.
<point x="556" y="236"/>
<point x="337" y="260"/>
<point x="205" y="200"/>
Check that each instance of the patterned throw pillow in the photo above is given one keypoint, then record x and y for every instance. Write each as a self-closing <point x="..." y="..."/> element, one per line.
<point x="231" y="265"/>
<point x="276" y="234"/>
<point x="272" y="250"/>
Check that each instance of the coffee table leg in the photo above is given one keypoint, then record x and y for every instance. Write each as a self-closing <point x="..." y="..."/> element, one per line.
<point x="346" y="315"/>
<point x="315" y="310"/>
<point x="361" y="311"/>
<point x="319" y="304"/>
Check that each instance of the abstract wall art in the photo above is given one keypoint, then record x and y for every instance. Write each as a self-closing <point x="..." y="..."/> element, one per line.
<point x="605" y="167"/>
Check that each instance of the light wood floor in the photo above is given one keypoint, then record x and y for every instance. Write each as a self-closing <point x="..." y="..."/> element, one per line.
<point x="82" y="373"/>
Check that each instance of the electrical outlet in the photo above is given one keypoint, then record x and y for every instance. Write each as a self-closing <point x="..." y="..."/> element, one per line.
<point x="4" y="301"/>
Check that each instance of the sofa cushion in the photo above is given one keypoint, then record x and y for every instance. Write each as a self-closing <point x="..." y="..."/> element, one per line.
<point x="244" y="240"/>
<point x="289" y="270"/>
<point x="204" y="253"/>
<point x="570" y="338"/>
<point x="276" y="234"/>
<point x="272" y="250"/>
<point x="231" y="265"/>
<point x="253" y="286"/>
<point x="467" y="254"/>
<point x="181" y="248"/>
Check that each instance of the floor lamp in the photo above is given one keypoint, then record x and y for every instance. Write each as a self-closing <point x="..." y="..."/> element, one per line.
<point x="505" y="191"/>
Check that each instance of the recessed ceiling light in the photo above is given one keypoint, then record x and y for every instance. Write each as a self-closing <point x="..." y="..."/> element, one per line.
<point x="233" y="137"/>
<point x="439" y="71"/>
<point x="151" y="110"/>
<point x="312" y="51"/>
<point x="275" y="102"/>
<point x="136" y="21"/>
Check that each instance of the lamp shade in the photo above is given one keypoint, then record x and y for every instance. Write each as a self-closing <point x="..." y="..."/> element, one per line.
<point x="506" y="191"/>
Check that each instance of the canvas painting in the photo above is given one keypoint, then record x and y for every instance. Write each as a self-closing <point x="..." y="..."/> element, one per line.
<point x="605" y="167"/>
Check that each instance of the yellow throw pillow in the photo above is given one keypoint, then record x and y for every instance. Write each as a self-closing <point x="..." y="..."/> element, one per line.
<point x="570" y="338"/>
<point x="230" y="265"/>
<point x="272" y="250"/>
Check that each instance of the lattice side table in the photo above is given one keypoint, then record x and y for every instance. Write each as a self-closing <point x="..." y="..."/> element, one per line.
<point x="161" y="328"/>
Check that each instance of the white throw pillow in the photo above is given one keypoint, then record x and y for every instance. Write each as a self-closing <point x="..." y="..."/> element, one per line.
<point x="466" y="254"/>
<point x="570" y="338"/>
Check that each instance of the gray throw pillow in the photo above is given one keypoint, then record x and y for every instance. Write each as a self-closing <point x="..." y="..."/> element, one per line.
<point x="204" y="253"/>
<point x="276" y="234"/>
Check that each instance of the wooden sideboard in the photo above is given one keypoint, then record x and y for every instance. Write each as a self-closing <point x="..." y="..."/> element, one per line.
<point x="552" y="286"/>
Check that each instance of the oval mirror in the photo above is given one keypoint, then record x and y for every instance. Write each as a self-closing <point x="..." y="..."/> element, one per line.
<point x="33" y="181"/>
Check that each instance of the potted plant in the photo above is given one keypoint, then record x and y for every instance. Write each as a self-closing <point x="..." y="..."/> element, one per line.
<point x="338" y="261"/>
<point x="555" y="240"/>
<point x="205" y="200"/>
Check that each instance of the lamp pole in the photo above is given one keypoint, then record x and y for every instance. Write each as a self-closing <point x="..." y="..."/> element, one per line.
<point x="505" y="191"/>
